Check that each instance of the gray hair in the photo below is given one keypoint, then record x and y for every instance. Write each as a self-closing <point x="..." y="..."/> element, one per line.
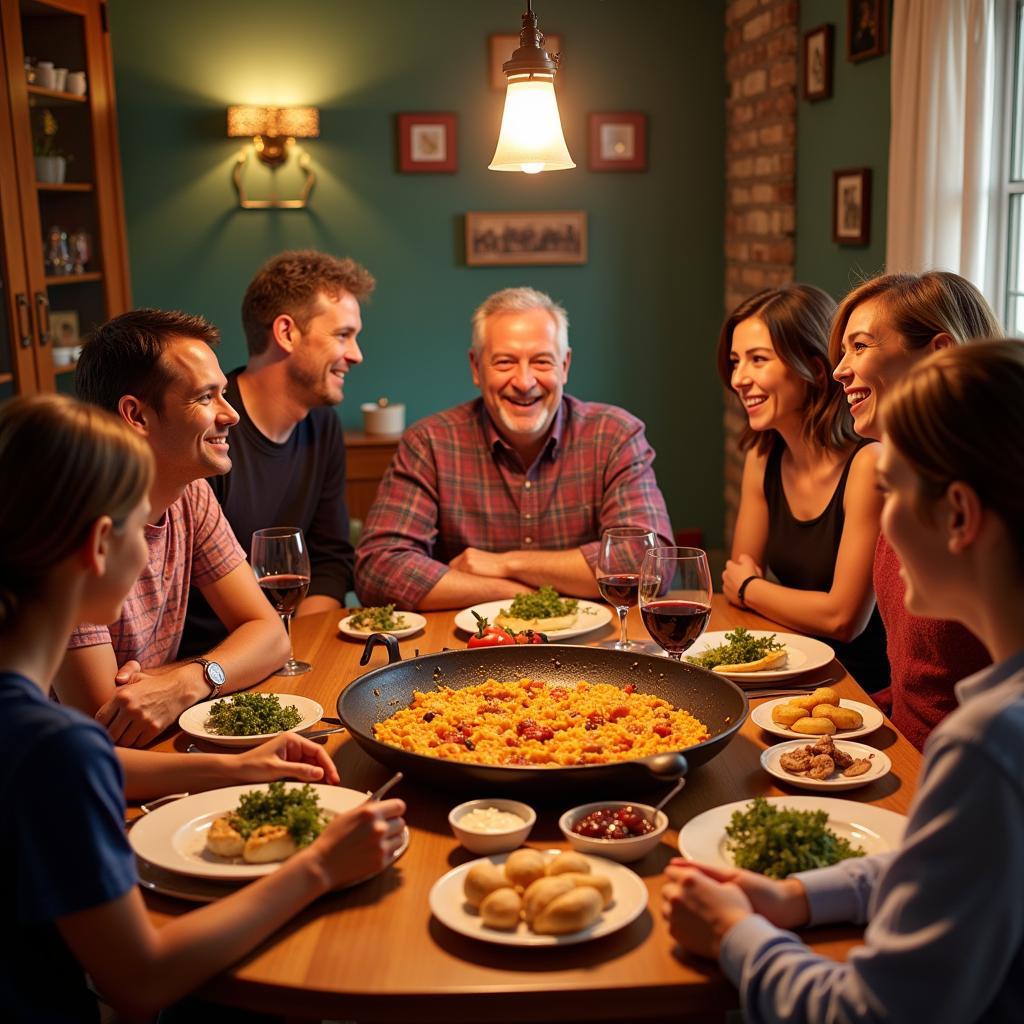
<point x="520" y="300"/>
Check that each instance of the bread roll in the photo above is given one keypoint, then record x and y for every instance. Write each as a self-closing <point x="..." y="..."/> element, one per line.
<point x="602" y="883"/>
<point x="481" y="880"/>
<point x="525" y="866"/>
<point x="570" y="912"/>
<point x="542" y="892"/>
<point x="502" y="909"/>
<point x="787" y="714"/>
<point x="569" y="861"/>
<point x="810" y="726"/>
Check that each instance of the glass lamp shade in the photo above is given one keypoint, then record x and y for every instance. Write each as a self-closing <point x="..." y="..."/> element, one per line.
<point x="531" y="137"/>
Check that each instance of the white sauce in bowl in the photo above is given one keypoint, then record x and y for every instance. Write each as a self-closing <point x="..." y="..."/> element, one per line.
<point x="490" y="820"/>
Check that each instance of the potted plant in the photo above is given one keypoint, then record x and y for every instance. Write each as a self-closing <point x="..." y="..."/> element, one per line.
<point x="51" y="161"/>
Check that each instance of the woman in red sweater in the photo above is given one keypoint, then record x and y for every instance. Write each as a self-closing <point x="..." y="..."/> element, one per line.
<point x="881" y="330"/>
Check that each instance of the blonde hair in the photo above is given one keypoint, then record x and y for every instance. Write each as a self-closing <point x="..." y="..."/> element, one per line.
<point x="920" y="306"/>
<point x="67" y="464"/>
<point x="959" y="415"/>
<point x="520" y="300"/>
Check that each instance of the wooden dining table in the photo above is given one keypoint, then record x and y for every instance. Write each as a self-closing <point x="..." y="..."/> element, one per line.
<point x="375" y="953"/>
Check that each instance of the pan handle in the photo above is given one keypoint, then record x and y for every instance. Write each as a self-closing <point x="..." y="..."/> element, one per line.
<point x="377" y="640"/>
<point x="666" y="767"/>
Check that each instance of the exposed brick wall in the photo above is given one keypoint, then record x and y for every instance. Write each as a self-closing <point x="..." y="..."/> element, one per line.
<point x="761" y="48"/>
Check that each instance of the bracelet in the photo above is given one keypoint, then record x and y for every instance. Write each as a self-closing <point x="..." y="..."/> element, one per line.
<point x="741" y="593"/>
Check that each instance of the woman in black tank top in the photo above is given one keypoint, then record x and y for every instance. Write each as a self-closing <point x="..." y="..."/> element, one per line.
<point x="807" y="525"/>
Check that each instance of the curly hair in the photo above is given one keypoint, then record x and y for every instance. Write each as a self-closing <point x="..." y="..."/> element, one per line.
<point x="290" y="283"/>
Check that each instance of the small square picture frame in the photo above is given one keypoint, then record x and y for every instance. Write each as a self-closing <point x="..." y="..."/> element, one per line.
<point x="428" y="143"/>
<point x="817" y="68"/>
<point x="851" y="206"/>
<point x="500" y="47"/>
<point x="865" y="29"/>
<point x="618" y="141"/>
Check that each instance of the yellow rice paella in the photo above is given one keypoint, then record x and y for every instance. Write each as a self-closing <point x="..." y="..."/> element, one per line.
<point x="528" y="722"/>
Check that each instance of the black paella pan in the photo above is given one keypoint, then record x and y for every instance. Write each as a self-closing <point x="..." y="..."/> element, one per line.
<point x="718" y="702"/>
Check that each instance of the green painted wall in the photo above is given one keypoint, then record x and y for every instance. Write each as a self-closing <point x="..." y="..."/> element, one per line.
<point x="849" y="130"/>
<point x="644" y="311"/>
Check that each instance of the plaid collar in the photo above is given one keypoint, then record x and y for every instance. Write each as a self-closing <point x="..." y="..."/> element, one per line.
<point x="496" y="443"/>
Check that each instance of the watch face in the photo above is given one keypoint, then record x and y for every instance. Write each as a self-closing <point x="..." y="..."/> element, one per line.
<point x="215" y="674"/>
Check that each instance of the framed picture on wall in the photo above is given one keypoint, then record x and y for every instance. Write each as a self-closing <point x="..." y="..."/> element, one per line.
<point x="520" y="238"/>
<point x="64" y="328"/>
<point x="865" y="28"/>
<point x="427" y="143"/>
<point x="618" y="142"/>
<point x="500" y="48"/>
<point x="818" y="63"/>
<point x="851" y="206"/>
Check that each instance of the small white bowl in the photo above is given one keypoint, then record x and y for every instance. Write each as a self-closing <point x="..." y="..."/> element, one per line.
<point x="622" y="850"/>
<point x="492" y="842"/>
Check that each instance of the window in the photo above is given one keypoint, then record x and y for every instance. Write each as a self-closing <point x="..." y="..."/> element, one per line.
<point x="1013" y="205"/>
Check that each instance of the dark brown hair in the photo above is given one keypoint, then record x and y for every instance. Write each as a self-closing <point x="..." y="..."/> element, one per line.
<point x="290" y="283"/>
<point x="122" y="356"/>
<point x="797" y="317"/>
<point x="959" y="415"/>
<point x="73" y="463"/>
<point x="920" y="306"/>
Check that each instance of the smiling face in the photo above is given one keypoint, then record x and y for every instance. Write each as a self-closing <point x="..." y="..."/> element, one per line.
<point x="326" y="350"/>
<point x="521" y="371"/>
<point x="770" y="391"/>
<point x="874" y="358"/>
<point x="189" y="435"/>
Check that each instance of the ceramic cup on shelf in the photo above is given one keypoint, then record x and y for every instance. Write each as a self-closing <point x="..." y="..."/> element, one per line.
<point x="45" y="76"/>
<point x="75" y="83"/>
<point x="381" y="417"/>
<point x="60" y="78"/>
<point x="50" y="170"/>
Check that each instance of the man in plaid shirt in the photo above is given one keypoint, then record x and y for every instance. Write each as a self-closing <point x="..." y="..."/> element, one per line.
<point x="158" y="372"/>
<point x="512" y="490"/>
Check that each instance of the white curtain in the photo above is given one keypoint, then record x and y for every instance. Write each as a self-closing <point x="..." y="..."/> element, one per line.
<point x="944" y="161"/>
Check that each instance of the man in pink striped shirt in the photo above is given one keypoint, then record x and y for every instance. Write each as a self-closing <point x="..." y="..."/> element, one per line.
<point x="512" y="490"/>
<point x="158" y="372"/>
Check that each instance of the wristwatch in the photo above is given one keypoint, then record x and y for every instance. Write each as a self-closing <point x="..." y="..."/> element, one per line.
<point x="213" y="674"/>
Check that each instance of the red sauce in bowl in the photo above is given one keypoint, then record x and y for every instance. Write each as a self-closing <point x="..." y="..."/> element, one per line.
<point x="613" y="823"/>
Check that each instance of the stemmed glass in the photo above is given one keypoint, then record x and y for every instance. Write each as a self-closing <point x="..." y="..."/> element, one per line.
<point x="281" y="563"/>
<point x="618" y="571"/>
<point x="675" y="597"/>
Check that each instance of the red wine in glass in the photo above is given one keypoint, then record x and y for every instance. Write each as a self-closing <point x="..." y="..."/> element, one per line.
<point x="285" y="591"/>
<point x="675" y="625"/>
<point x="621" y="589"/>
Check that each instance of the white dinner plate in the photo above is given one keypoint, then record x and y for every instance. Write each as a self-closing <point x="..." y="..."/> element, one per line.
<point x="589" y="616"/>
<point x="193" y="721"/>
<point x="449" y="906"/>
<point x="873" y="829"/>
<point x="413" y="624"/>
<point x="762" y="716"/>
<point x="880" y="765"/>
<point x="803" y="654"/>
<point x="173" y="836"/>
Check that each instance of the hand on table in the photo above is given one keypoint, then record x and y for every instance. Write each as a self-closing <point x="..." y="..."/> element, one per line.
<point x="736" y="571"/>
<point x="359" y="842"/>
<point x="147" y="701"/>
<point x="286" y="756"/>
<point x="481" y="563"/>
<point x="701" y="902"/>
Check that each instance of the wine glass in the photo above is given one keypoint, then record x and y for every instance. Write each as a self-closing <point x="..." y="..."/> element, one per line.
<point x="675" y="597"/>
<point x="281" y="563"/>
<point x="618" y="571"/>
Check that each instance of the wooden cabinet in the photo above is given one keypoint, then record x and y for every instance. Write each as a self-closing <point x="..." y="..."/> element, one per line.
<point x="367" y="456"/>
<point x="63" y="257"/>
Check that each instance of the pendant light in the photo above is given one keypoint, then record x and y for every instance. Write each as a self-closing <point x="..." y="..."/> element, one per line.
<point x="531" y="137"/>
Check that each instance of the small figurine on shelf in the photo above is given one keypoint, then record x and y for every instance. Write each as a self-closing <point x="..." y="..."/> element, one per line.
<point x="58" y="256"/>
<point x="80" y="245"/>
<point x="51" y="161"/>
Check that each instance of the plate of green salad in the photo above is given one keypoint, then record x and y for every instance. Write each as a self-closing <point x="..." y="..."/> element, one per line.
<point x="727" y="652"/>
<point x="247" y="719"/>
<point x="382" y="619"/>
<point x="529" y="611"/>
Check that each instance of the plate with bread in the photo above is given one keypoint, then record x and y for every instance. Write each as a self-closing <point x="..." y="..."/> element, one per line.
<point x="538" y="898"/>
<point x="755" y="656"/>
<point x="820" y="713"/>
<point x="575" y="618"/>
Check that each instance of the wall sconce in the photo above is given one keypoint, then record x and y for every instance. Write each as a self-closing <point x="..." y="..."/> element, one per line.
<point x="273" y="131"/>
<point x="531" y="138"/>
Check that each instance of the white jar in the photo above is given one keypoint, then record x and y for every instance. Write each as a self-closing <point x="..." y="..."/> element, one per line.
<point x="76" y="83"/>
<point x="383" y="419"/>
